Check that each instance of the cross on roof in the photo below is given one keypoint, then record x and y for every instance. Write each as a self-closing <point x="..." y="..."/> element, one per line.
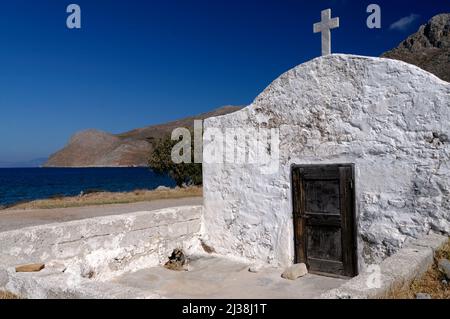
<point x="325" y="27"/>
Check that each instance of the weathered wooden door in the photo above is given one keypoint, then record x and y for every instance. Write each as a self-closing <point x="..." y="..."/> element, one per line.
<point x="323" y="202"/>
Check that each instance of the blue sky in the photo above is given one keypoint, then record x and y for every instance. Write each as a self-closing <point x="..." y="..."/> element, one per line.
<point x="136" y="63"/>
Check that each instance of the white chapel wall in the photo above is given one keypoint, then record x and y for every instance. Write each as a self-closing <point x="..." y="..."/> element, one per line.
<point x="389" y="118"/>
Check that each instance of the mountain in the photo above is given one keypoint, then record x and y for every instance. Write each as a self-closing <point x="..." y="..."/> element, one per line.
<point x="94" y="148"/>
<point x="428" y="48"/>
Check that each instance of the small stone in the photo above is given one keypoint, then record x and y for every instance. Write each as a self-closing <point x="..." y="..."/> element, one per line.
<point x="30" y="268"/>
<point x="444" y="282"/>
<point x="207" y="248"/>
<point x="256" y="267"/>
<point x="176" y="261"/>
<point x="444" y="266"/>
<point x="295" y="271"/>
<point x="423" y="296"/>
<point x="162" y="188"/>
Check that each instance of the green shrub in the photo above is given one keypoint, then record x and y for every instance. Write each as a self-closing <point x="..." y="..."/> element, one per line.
<point x="161" y="163"/>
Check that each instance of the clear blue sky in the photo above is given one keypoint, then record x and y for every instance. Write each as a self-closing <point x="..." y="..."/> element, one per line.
<point x="136" y="63"/>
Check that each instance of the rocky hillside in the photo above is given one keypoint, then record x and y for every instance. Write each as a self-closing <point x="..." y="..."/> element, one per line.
<point x="428" y="48"/>
<point x="93" y="148"/>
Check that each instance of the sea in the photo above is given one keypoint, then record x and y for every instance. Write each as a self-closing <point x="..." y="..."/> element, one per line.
<point x="19" y="185"/>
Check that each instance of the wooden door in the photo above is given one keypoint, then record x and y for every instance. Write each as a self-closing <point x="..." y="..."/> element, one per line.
<point x="323" y="202"/>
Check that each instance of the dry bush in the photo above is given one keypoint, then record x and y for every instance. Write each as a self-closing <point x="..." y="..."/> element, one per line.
<point x="432" y="282"/>
<point x="7" y="295"/>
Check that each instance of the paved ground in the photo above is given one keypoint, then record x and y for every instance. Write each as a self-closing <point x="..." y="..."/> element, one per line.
<point x="16" y="219"/>
<point x="219" y="278"/>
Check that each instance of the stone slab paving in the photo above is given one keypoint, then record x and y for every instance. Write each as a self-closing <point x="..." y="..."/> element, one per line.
<point x="220" y="278"/>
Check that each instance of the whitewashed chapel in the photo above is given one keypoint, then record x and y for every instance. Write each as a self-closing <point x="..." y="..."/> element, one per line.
<point x="362" y="164"/>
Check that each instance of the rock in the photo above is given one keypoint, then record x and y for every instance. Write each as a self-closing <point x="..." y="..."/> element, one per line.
<point x="256" y="267"/>
<point x="423" y="296"/>
<point x="444" y="266"/>
<point x="30" y="268"/>
<point x="207" y="248"/>
<point x="444" y="282"/>
<point x="176" y="261"/>
<point x="162" y="188"/>
<point x="428" y="48"/>
<point x="295" y="271"/>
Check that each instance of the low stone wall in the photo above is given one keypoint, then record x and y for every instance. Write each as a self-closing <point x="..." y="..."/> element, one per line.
<point x="397" y="271"/>
<point x="100" y="248"/>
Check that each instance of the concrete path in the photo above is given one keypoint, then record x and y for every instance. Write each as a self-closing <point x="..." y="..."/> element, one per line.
<point x="16" y="219"/>
<point x="220" y="278"/>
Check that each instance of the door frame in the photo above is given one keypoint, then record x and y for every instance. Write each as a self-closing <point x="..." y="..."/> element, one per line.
<point x="348" y="245"/>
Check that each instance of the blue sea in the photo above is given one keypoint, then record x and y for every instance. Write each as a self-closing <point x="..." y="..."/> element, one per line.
<point x="26" y="184"/>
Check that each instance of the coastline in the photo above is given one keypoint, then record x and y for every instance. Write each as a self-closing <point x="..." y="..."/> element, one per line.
<point x="107" y="198"/>
<point x="23" y="185"/>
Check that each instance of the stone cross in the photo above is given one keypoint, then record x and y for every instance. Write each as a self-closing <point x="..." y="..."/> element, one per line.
<point x="325" y="27"/>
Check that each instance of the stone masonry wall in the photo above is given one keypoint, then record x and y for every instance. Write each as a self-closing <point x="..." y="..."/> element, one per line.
<point x="102" y="246"/>
<point x="389" y="118"/>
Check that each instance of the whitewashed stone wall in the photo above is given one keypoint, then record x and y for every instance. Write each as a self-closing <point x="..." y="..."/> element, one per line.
<point x="389" y="118"/>
<point x="103" y="247"/>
